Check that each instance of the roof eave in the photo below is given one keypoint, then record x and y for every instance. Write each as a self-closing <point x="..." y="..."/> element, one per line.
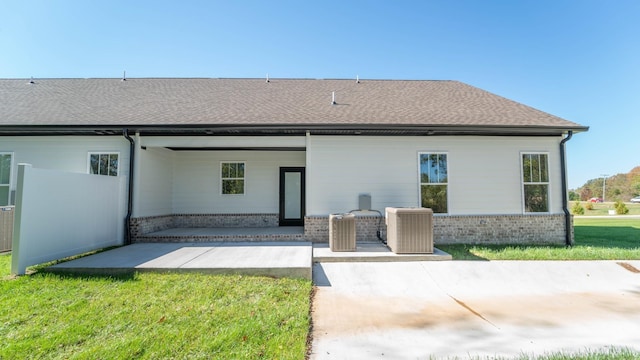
<point x="282" y="129"/>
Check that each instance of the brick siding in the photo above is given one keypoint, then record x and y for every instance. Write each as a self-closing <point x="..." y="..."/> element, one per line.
<point x="452" y="229"/>
<point x="141" y="226"/>
<point x="448" y="229"/>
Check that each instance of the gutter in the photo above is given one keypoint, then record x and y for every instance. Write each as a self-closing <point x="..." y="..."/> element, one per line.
<point x="565" y="195"/>
<point x="291" y="129"/>
<point x="127" y="221"/>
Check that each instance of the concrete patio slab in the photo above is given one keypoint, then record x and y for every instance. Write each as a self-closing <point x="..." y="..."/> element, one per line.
<point x="473" y="309"/>
<point x="372" y="252"/>
<point x="279" y="259"/>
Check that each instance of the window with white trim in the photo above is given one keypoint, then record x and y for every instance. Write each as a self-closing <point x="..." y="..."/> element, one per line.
<point x="104" y="163"/>
<point x="232" y="178"/>
<point x="535" y="182"/>
<point x="434" y="181"/>
<point x="6" y="162"/>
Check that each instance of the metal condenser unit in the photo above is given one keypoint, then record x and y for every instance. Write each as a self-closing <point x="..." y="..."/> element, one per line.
<point x="410" y="230"/>
<point x="342" y="232"/>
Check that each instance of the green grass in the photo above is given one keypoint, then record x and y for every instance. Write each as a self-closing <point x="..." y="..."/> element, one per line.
<point x="595" y="239"/>
<point x="152" y="316"/>
<point x="609" y="353"/>
<point x="602" y="209"/>
<point x="614" y="353"/>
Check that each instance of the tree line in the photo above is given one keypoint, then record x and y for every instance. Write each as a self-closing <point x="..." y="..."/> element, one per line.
<point x="619" y="187"/>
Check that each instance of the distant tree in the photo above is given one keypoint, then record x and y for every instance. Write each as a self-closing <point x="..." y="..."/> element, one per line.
<point x="574" y="195"/>
<point x="633" y="177"/>
<point x="585" y="193"/>
<point x="619" y="187"/>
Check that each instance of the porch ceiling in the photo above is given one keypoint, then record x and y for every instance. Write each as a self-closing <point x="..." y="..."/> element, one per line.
<point x="289" y="143"/>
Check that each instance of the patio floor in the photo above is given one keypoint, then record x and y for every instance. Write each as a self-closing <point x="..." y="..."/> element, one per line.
<point x="252" y="257"/>
<point x="279" y="259"/>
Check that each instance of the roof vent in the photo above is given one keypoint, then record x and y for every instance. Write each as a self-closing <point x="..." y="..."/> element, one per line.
<point x="124" y="75"/>
<point x="333" y="98"/>
<point x="357" y="79"/>
<point x="267" y="77"/>
<point x="31" y="81"/>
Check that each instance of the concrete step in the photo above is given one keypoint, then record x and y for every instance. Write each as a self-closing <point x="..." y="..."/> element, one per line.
<point x="203" y="235"/>
<point x="372" y="252"/>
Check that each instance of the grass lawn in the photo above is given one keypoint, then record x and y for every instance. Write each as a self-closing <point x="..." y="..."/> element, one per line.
<point x="609" y="353"/>
<point x="595" y="239"/>
<point x="602" y="209"/>
<point x="152" y="316"/>
<point x="198" y="316"/>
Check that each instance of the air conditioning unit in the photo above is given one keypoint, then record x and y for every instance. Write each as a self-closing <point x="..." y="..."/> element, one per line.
<point x="410" y="230"/>
<point x="6" y="228"/>
<point x="342" y="232"/>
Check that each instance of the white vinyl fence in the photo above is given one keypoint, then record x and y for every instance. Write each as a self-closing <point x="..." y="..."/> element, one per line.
<point x="60" y="214"/>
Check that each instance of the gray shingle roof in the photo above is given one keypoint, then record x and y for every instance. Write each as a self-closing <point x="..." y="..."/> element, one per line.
<point x="255" y="102"/>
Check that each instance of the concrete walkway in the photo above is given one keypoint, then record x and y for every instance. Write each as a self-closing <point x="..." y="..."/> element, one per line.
<point x="473" y="309"/>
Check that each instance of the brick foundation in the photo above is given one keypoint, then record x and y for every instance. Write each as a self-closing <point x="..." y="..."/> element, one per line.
<point x="141" y="226"/>
<point x="316" y="228"/>
<point x="500" y="229"/>
<point x="448" y="229"/>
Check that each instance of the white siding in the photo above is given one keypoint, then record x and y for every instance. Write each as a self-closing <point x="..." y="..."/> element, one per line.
<point x="64" y="153"/>
<point x="155" y="182"/>
<point x="196" y="181"/>
<point x="484" y="172"/>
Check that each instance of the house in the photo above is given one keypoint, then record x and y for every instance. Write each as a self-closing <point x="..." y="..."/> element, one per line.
<point x="289" y="152"/>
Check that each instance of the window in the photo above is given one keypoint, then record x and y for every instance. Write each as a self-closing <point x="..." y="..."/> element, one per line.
<point x="103" y="163"/>
<point x="433" y="181"/>
<point x="5" y="178"/>
<point x="232" y="178"/>
<point x="535" y="182"/>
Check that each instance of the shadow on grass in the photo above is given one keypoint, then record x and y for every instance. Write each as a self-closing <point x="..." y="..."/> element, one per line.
<point x="623" y="237"/>
<point x="106" y="274"/>
<point x="461" y="252"/>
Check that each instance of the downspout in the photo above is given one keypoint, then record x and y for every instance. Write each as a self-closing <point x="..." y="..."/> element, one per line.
<point x="127" y="221"/>
<point x="565" y="195"/>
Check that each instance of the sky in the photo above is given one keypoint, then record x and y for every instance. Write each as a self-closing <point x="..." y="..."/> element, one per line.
<point x="579" y="60"/>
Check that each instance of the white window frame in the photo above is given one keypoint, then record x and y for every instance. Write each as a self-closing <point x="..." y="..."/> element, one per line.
<point x="10" y="184"/>
<point x="420" y="183"/>
<point x="522" y="183"/>
<point x="103" y="153"/>
<point x="244" y="178"/>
